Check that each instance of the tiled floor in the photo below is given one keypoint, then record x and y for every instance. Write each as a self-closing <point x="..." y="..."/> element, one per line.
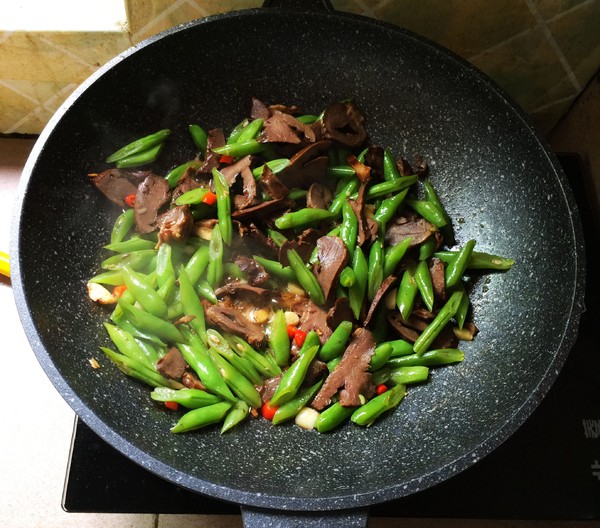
<point x="36" y="423"/>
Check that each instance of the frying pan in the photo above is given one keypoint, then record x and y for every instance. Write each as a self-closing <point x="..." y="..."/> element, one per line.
<point x="500" y="183"/>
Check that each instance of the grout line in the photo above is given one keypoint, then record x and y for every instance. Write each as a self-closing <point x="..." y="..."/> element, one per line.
<point x="553" y="103"/>
<point x="163" y="14"/>
<point x="66" y="52"/>
<point x="17" y="91"/>
<point x="554" y="45"/>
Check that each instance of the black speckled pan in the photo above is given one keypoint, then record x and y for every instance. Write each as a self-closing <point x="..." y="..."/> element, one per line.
<point x="500" y="183"/>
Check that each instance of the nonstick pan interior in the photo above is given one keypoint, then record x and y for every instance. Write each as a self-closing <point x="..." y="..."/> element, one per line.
<point x="500" y="185"/>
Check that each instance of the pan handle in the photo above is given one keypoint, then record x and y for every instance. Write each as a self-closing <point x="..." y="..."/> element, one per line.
<point x="304" y="5"/>
<point x="259" y="518"/>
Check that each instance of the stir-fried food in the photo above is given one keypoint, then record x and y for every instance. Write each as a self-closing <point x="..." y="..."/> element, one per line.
<point x="292" y="270"/>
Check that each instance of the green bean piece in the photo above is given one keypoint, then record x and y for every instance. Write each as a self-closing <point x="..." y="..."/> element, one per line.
<point x="193" y="197"/>
<point x="427" y="248"/>
<point x="164" y="264"/>
<point x="390" y="168"/>
<point x="424" y="283"/>
<point x="199" y="137"/>
<point x="380" y="326"/>
<point x="393" y="256"/>
<point x="206" y="291"/>
<point x="340" y="199"/>
<point x="431" y="358"/>
<point x="442" y="318"/>
<point x="427" y="210"/>
<point x="349" y="228"/>
<point x="111" y="277"/>
<point x="336" y="344"/>
<point x="381" y="376"/>
<point x="139" y="145"/>
<point x="143" y="157"/>
<point x="130" y="245"/>
<point x="197" y="263"/>
<point x="409" y="374"/>
<point x="265" y="364"/>
<point x="279" y="340"/>
<point x="127" y="345"/>
<point x="202" y="417"/>
<point x="123" y="224"/>
<point x="478" y="260"/>
<point x="456" y="268"/>
<point x="168" y="291"/>
<point x="250" y="131"/>
<point x="138" y="370"/>
<point x="400" y="347"/>
<point x="237" y="130"/>
<point x="215" y="271"/>
<point x="191" y="305"/>
<point x="151" y="352"/>
<point x="312" y="339"/>
<point x="380" y="357"/>
<point x="463" y="307"/>
<point x="217" y="342"/>
<point x="237" y="382"/>
<point x="308" y="119"/>
<point x="302" y="217"/>
<point x="237" y="414"/>
<point x="366" y="414"/>
<point x="382" y="189"/>
<point x="306" y="278"/>
<point x="144" y="293"/>
<point x="223" y="206"/>
<point x="388" y="208"/>
<point x="238" y="149"/>
<point x="150" y="323"/>
<point x="356" y="293"/>
<point x="175" y="310"/>
<point x="406" y="293"/>
<point x="121" y="320"/>
<point x="332" y="417"/>
<point x="136" y="260"/>
<point x="276" y="269"/>
<point x="188" y="398"/>
<point x="196" y="356"/>
<point x="431" y="196"/>
<point x="293" y="377"/>
<point x="375" y="273"/>
<point x="289" y="410"/>
<point x="347" y="277"/>
<point x="314" y="256"/>
<point x="278" y="238"/>
<point x="344" y="172"/>
<point x="276" y="165"/>
<point x="177" y="173"/>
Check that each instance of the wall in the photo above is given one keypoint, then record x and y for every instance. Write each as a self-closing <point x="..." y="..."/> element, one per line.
<point x="542" y="52"/>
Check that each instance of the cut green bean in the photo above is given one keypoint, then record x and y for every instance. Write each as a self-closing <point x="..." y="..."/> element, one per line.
<point x="302" y="218"/>
<point x="279" y="341"/>
<point x="289" y="410"/>
<point x="293" y="377"/>
<point x="276" y="269"/>
<point x="223" y="206"/>
<point x="338" y="202"/>
<point x="250" y="131"/>
<point x="366" y="414"/>
<point x="215" y="271"/>
<point x="199" y="137"/>
<point x="238" y="150"/>
<point x="380" y="357"/>
<point x="390" y="168"/>
<point x="406" y="293"/>
<point x="150" y="323"/>
<point x="237" y="414"/>
<point x="139" y="145"/>
<point x="122" y="226"/>
<point x="349" y="228"/>
<point x="191" y="305"/>
<point x="336" y="344"/>
<point x="478" y="260"/>
<point x="456" y="268"/>
<point x="442" y="318"/>
<point x="393" y="256"/>
<point x="333" y="417"/>
<point x="264" y="363"/>
<point x="347" y="277"/>
<point x="144" y="293"/>
<point x="141" y="158"/>
<point x="431" y="358"/>
<point x="375" y="273"/>
<point x="356" y="293"/>
<point x="202" y="417"/>
<point x="188" y="398"/>
<point x="425" y="283"/>
<point x="409" y="374"/>
<point x="177" y="173"/>
<point x="427" y="210"/>
<point x="306" y="278"/>
<point x="134" y="243"/>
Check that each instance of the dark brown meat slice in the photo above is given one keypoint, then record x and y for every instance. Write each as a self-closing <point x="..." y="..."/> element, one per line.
<point x="190" y="381"/>
<point x="151" y="195"/>
<point x="437" y="271"/>
<point x="264" y="211"/>
<point x="387" y="283"/>
<point x="333" y="256"/>
<point x="172" y="365"/>
<point x="117" y="184"/>
<point x="374" y="160"/>
<point x="243" y="291"/>
<point x="421" y="166"/>
<point x="215" y="139"/>
<point x="316" y="370"/>
<point x="248" y="196"/>
<point x="339" y="312"/>
<point x="271" y="185"/>
<point x="268" y="388"/>
<point x="362" y="171"/>
<point x="367" y="228"/>
<point x="318" y="196"/>
<point x="284" y="128"/>
<point x="228" y="319"/>
<point x="259" y="110"/>
<point x="351" y="373"/>
<point x="231" y="172"/>
<point x="397" y="323"/>
<point x="307" y="166"/>
<point x="304" y="244"/>
<point x="175" y="225"/>
<point x="254" y="271"/>
<point x="408" y="225"/>
<point x="186" y="183"/>
<point x="312" y="317"/>
<point x="343" y="123"/>
<point x="404" y="167"/>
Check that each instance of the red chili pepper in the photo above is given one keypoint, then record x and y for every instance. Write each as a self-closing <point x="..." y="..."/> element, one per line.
<point x="267" y="411"/>
<point x="226" y="158"/>
<point x="381" y="389"/>
<point x="291" y="331"/>
<point x="172" y="405"/>
<point x="119" y="290"/>
<point x="299" y="337"/>
<point x="130" y="200"/>
<point x="209" y="198"/>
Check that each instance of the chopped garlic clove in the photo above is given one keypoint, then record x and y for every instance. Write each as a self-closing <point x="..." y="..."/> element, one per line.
<point x="307" y="418"/>
<point x="292" y="318"/>
<point x="98" y="293"/>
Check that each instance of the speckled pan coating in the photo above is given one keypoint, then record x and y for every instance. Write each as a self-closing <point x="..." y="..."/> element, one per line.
<point x="498" y="180"/>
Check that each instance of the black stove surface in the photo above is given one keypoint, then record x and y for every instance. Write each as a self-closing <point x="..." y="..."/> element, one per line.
<point x="548" y="469"/>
